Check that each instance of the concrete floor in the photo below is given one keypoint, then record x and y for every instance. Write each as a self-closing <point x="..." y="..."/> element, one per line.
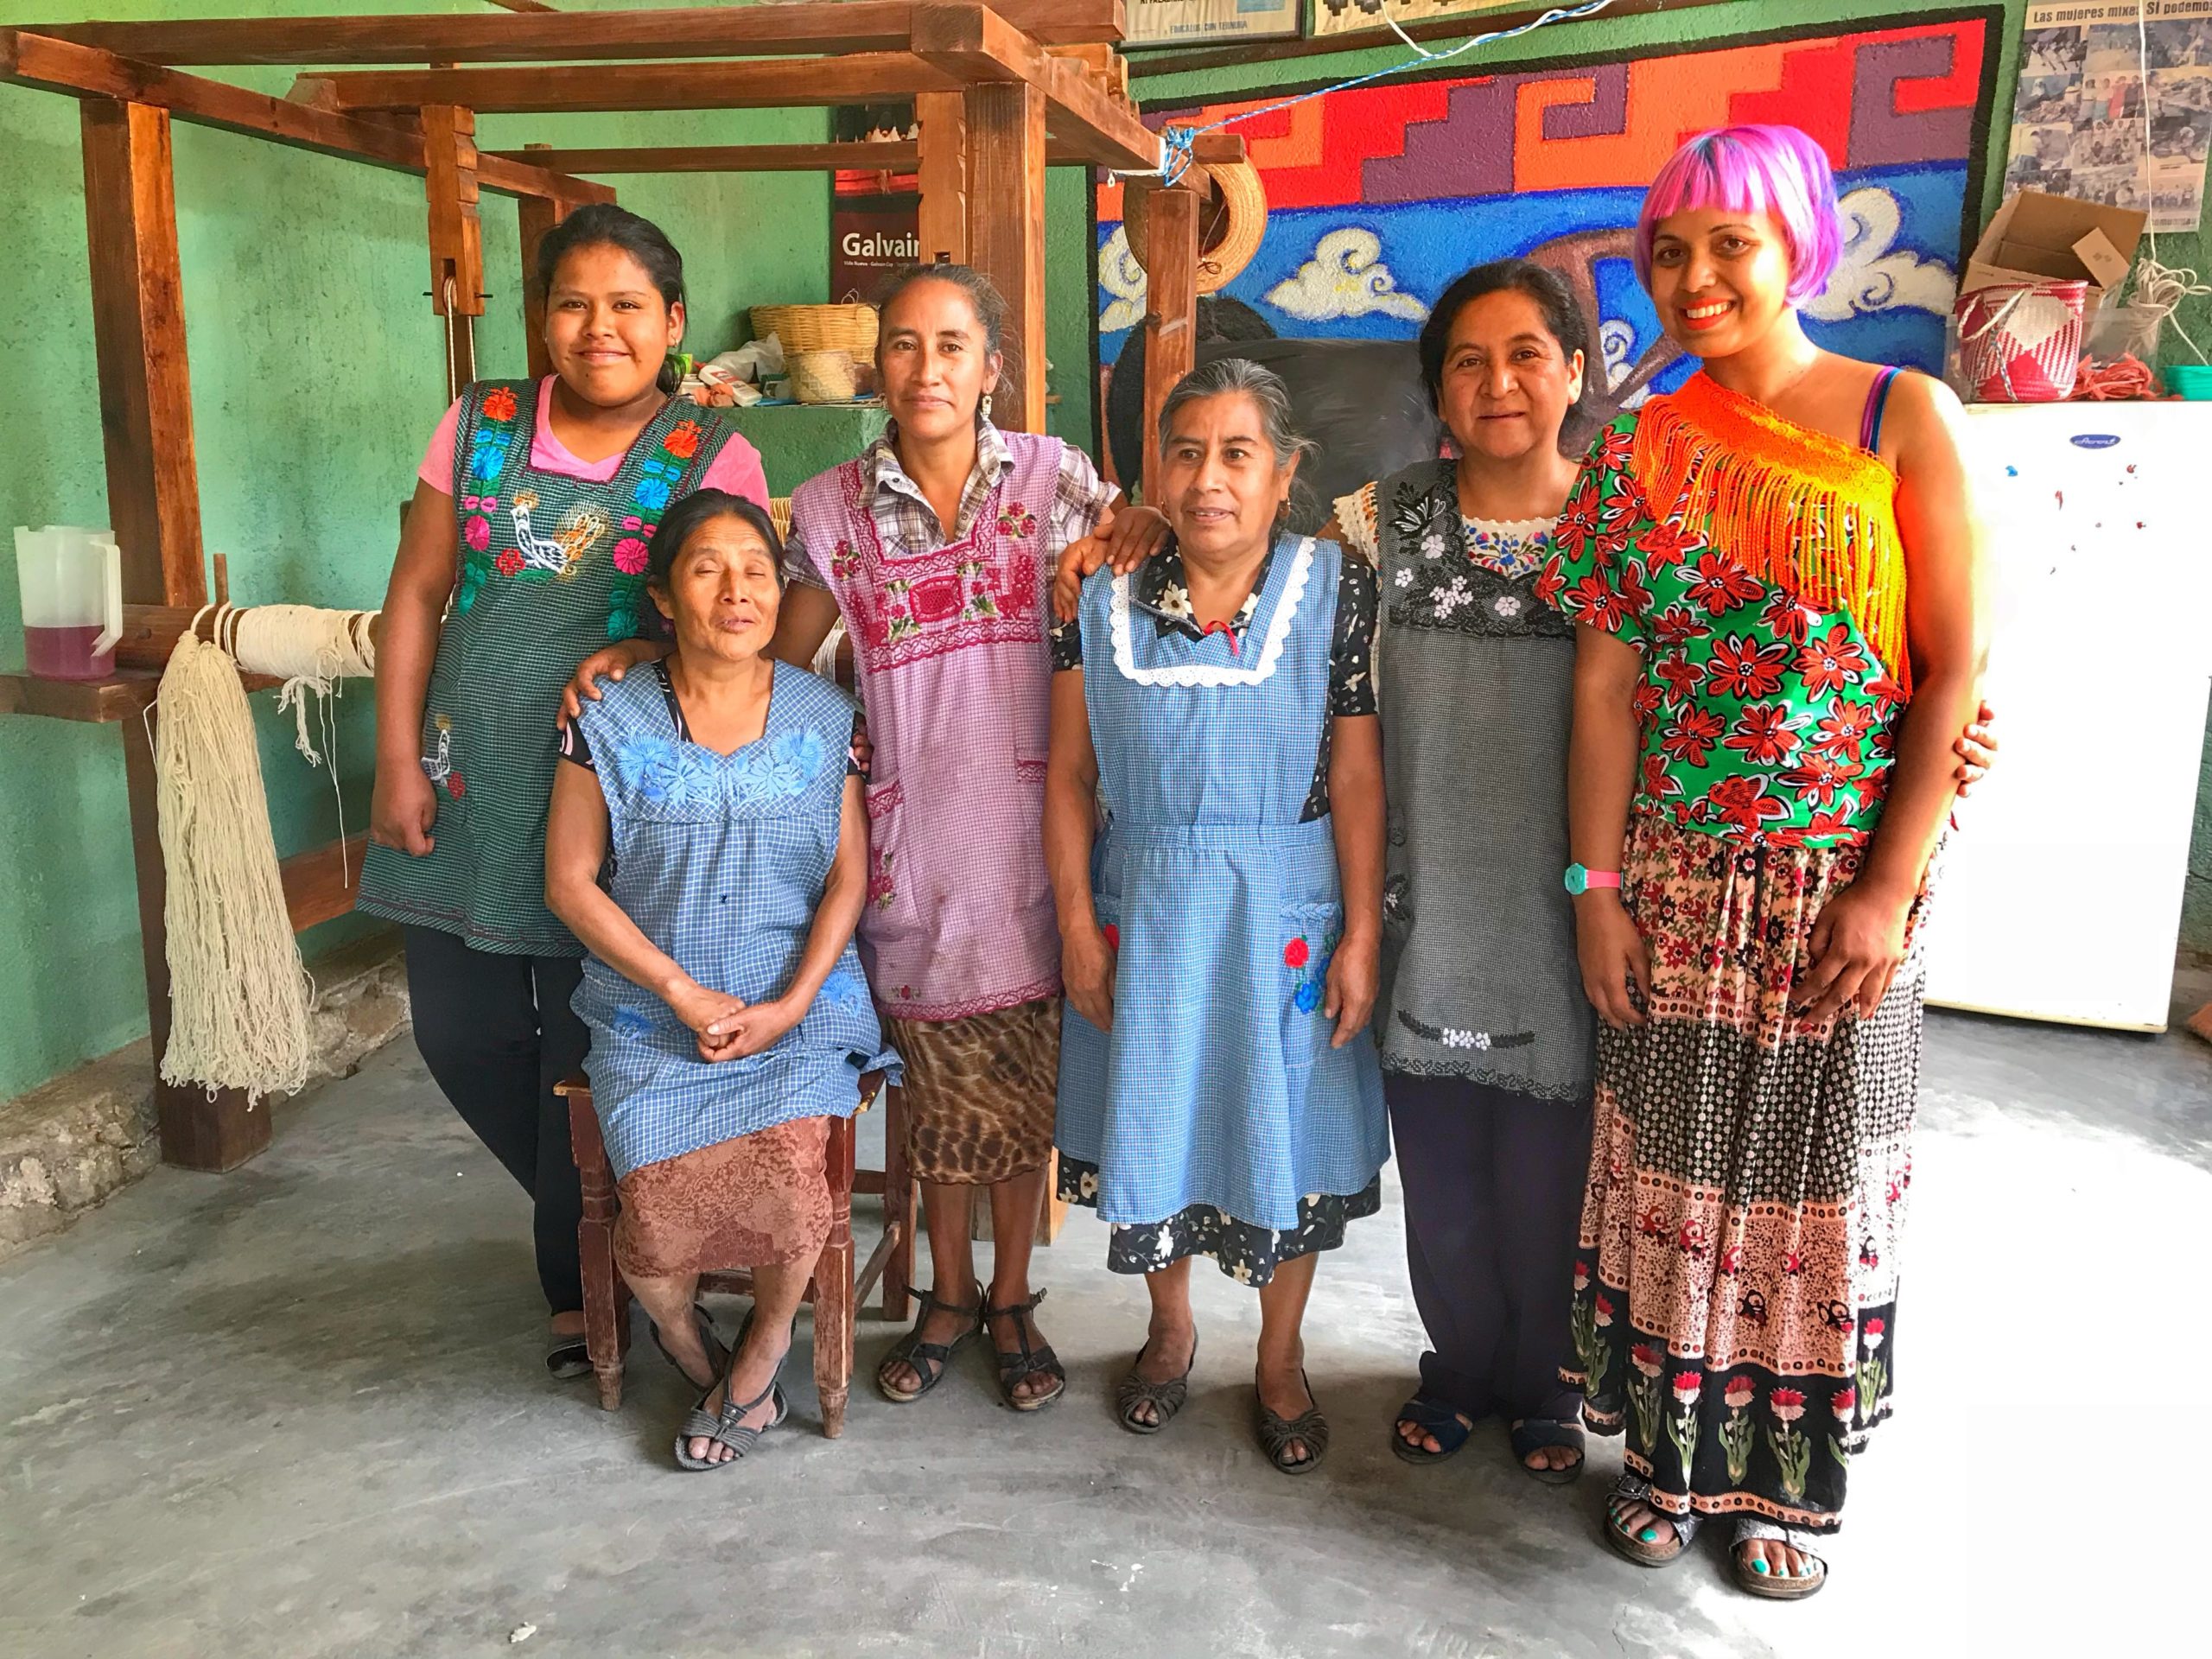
<point x="297" y="1411"/>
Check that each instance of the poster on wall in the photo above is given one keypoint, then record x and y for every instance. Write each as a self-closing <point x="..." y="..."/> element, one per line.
<point x="1379" y="195"/>
<point x="1344" y="17"/>
<point x="874" y="216"/>
<point x="1187" y="22"/>
<point x="2114" y="105"/>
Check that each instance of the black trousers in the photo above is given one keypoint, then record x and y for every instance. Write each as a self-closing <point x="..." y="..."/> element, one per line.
<point x="1493" y="1184"/>
<point x="497" y="1033"/>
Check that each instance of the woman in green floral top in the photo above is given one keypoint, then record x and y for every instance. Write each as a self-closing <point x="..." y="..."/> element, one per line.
<point x="1779" y="595"/>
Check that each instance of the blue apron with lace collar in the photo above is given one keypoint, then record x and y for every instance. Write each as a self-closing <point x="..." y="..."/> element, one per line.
<point x="721" y="861"/>
<point x="1217" y="1084"/>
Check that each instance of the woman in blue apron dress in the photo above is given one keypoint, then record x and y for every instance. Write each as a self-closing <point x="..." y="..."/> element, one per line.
<point x="1219" y="1091"/>
<point x="710" y="848"/>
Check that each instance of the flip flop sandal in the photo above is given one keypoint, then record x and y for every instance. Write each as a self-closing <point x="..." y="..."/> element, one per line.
<point x="1756" y="1579"/>
<point x="1165" y="1399"/>
<point x="726" y="1426"/>
<point x="1014" y="1368"/>
<point x="717" y="1355"/>
<point x="567" y="1356"/>
<point x="1644" y="1550"/>
<point x="1534" y="1434"/>
<point x="930" y="1359"/>
<point x="1439" y="1421"/>
<point x="1275" y="1433"/>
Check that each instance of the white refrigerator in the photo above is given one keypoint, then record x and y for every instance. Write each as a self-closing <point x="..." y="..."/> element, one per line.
<point x="2060" y="896"/>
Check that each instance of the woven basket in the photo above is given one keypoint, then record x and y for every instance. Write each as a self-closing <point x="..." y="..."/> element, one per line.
<point x="823" y="377"/>
<point x="818" y="328"/>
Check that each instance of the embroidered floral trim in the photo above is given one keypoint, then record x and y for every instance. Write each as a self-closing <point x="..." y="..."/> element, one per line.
<point x="1209" y="674"/>
<point x="1453" y="1037"/>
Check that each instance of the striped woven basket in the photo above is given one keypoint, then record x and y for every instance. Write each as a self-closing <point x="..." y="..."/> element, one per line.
<point x="818" y="328"/>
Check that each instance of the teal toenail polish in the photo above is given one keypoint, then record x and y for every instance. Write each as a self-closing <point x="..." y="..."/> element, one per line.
<point x="1649" y="1534"/>
<point x="1758" y="1566"/>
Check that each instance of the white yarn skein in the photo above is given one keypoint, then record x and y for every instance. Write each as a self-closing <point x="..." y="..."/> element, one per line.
<point x="307" y="647"/>
<point x="238" y="991"/>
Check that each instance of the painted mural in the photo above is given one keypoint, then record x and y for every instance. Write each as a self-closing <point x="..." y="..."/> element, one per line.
<point x="1379" y="196"/>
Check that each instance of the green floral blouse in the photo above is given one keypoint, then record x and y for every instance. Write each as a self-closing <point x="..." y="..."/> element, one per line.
<point x="1763" y="718"/>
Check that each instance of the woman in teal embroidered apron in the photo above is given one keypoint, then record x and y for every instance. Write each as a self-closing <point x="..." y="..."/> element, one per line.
<point x="541" y="551"/>
<point x="709" y="847"/>
<point x="1219" y="1093"/>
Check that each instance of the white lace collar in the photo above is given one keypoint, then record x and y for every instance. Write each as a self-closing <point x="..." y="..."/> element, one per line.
<point x="1210" y="674"/>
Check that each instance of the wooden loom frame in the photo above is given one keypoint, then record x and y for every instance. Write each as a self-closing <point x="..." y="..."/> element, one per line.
<point x="1001" y="90"/>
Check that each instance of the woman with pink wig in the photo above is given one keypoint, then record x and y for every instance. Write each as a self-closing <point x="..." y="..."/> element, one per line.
<point x="1778" y="586"/>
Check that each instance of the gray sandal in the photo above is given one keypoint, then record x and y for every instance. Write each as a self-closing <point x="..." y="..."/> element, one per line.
<point x="1275" y="1433"/>
<point x="1165" y="1399"/>
<point x="567" y="1356"/>
<point x="1645" y="1551"/>
<point x="717" y="1355"/>
<point x="725" y="1426"/>
<point x="1753" y="1579"/>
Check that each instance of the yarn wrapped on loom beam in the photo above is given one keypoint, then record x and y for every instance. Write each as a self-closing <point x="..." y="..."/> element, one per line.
<point x="238" y="991"/>
<point x="308" y="648"/>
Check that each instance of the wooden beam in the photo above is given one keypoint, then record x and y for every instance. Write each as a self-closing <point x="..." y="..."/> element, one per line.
<point x="974" y="43"/>
<point x="60" y="66"/>
<point x="1006" y="234"/>
<point x="1171" y="306"/>
<point x="535" y="218"/>
<point x="828" y="26"/>
<point x="456" y="232"/>
<point x="319" y="884"/>
<point x="894" y="156"/>
<point x="138" y="281"/>
<point x="762" y="83"/>
<point x="941" y="163"/>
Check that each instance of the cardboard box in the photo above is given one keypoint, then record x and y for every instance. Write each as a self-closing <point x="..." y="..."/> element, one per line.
<point x="2036" y="237"/>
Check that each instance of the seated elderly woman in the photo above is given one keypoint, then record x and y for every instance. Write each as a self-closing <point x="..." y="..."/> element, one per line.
<point x="1219" y="1091"/>
<point x="709" y="847"/>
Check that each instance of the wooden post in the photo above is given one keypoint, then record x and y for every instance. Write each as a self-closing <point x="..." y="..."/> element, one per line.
<point x="1005" y="235"/>
<point x="456" y="234"/>
<point x="197" y="1132"/>
<point x="943" y="169"/>
<point x="1171" y="306"/>
<point x="534" y="217"/>
<point x="153" y="481"/>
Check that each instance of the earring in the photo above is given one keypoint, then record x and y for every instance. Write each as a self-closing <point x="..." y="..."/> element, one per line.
<point x="987" y="406"/>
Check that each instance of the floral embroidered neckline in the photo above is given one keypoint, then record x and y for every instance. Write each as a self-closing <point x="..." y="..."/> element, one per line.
<point x="1162" y="590"/>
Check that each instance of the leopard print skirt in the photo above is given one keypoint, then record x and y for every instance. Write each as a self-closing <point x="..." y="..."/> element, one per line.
<point x="980" y="1091"/>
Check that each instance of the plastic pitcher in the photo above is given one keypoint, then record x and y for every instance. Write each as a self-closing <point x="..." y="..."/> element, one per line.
<point x="71" y="583"/>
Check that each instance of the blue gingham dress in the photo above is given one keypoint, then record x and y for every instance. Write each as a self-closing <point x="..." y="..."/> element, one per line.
<point x="721" y="861"/>
<point x="1217" y="1084"/>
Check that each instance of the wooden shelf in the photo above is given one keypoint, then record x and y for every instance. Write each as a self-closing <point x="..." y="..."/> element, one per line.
<point x="96" y="702"/>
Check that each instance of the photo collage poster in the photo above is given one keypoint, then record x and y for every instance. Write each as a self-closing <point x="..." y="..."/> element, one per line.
<point x="2114" y="107"/>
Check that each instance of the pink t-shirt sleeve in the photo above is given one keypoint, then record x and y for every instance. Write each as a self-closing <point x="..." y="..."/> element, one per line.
<point x="436" y="469"/>
<point x="737" y="469"/>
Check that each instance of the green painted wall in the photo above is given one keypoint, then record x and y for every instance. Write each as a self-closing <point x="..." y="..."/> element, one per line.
<point x="1072" y="306"/>
<point x="317" y="376"/>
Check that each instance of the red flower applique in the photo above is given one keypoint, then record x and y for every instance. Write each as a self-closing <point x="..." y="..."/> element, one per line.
<point x="684" y="441"/>
<point x="499" y="403"/>
<point x="455" y="787"/>
<point x="509" y="562"/>
<point x="1296" y="954"/>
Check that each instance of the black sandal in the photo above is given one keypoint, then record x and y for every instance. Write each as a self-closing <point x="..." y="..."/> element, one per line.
<point x="1165" y="1399"/>
<point x="1015" y="1367"/>
<point x="567" y="1357"/>
<point x="1275" y="1433"/>
<point x="1534" y="1434"/>
<point x="717" y="1355"/>
<point x="930" y="1359"/>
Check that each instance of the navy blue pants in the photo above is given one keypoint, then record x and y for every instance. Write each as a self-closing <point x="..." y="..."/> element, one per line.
<point x="1493" y="1183"/>
<point x="497" y="1033"/>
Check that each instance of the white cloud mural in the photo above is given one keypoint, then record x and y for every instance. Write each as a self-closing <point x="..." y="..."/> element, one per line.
<point x="1875" y="274"/>
<point x="1345" y="277"/>
<point x="1121" y="275"/>
<point x="1617" y="340"/>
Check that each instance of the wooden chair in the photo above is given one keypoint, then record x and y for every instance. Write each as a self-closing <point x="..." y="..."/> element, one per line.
<point x="836" y="1290"/>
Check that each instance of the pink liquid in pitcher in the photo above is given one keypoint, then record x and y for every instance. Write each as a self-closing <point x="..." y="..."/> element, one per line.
<point x="67" y="653"/>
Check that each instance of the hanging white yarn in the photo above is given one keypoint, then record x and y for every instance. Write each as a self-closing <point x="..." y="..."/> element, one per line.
<point x="238" y="992"/>
<point x="825" y="660"/>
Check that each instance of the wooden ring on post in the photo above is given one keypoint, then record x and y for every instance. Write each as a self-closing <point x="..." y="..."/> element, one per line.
<point x="1232" y="218"/>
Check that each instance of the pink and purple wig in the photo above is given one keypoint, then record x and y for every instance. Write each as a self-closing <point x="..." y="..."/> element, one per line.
<point x="1752" y="170"/>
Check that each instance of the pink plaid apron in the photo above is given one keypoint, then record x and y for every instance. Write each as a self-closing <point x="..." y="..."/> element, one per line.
<point x="954" y="674"/>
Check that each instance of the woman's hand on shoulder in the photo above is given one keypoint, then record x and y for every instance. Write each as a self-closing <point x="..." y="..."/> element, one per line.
<point x="609" y="663"/>
<point x="1087" y="958"/>
<point x="404" y="809"/>
<point x="1353" y="982"/>
<point x="1123" y="539"/>
<point x="1976" y="749"/>
<point x="1613" y="958"/>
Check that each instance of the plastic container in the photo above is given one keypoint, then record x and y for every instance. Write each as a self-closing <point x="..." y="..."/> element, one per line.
<point x="72" y="584"/>
<point x="2191" y="380"/>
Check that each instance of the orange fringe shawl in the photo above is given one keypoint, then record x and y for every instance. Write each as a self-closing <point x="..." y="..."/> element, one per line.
<point x="1794" y="507"/>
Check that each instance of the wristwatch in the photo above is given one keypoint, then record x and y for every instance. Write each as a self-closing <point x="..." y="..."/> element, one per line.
<point x="1580" y="880"/>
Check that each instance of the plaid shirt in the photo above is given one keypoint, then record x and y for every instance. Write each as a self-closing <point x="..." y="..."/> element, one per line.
<point x="908" y="524"/>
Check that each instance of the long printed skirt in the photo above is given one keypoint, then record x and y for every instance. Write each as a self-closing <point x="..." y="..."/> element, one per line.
<point x="1735" y="1287"/>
